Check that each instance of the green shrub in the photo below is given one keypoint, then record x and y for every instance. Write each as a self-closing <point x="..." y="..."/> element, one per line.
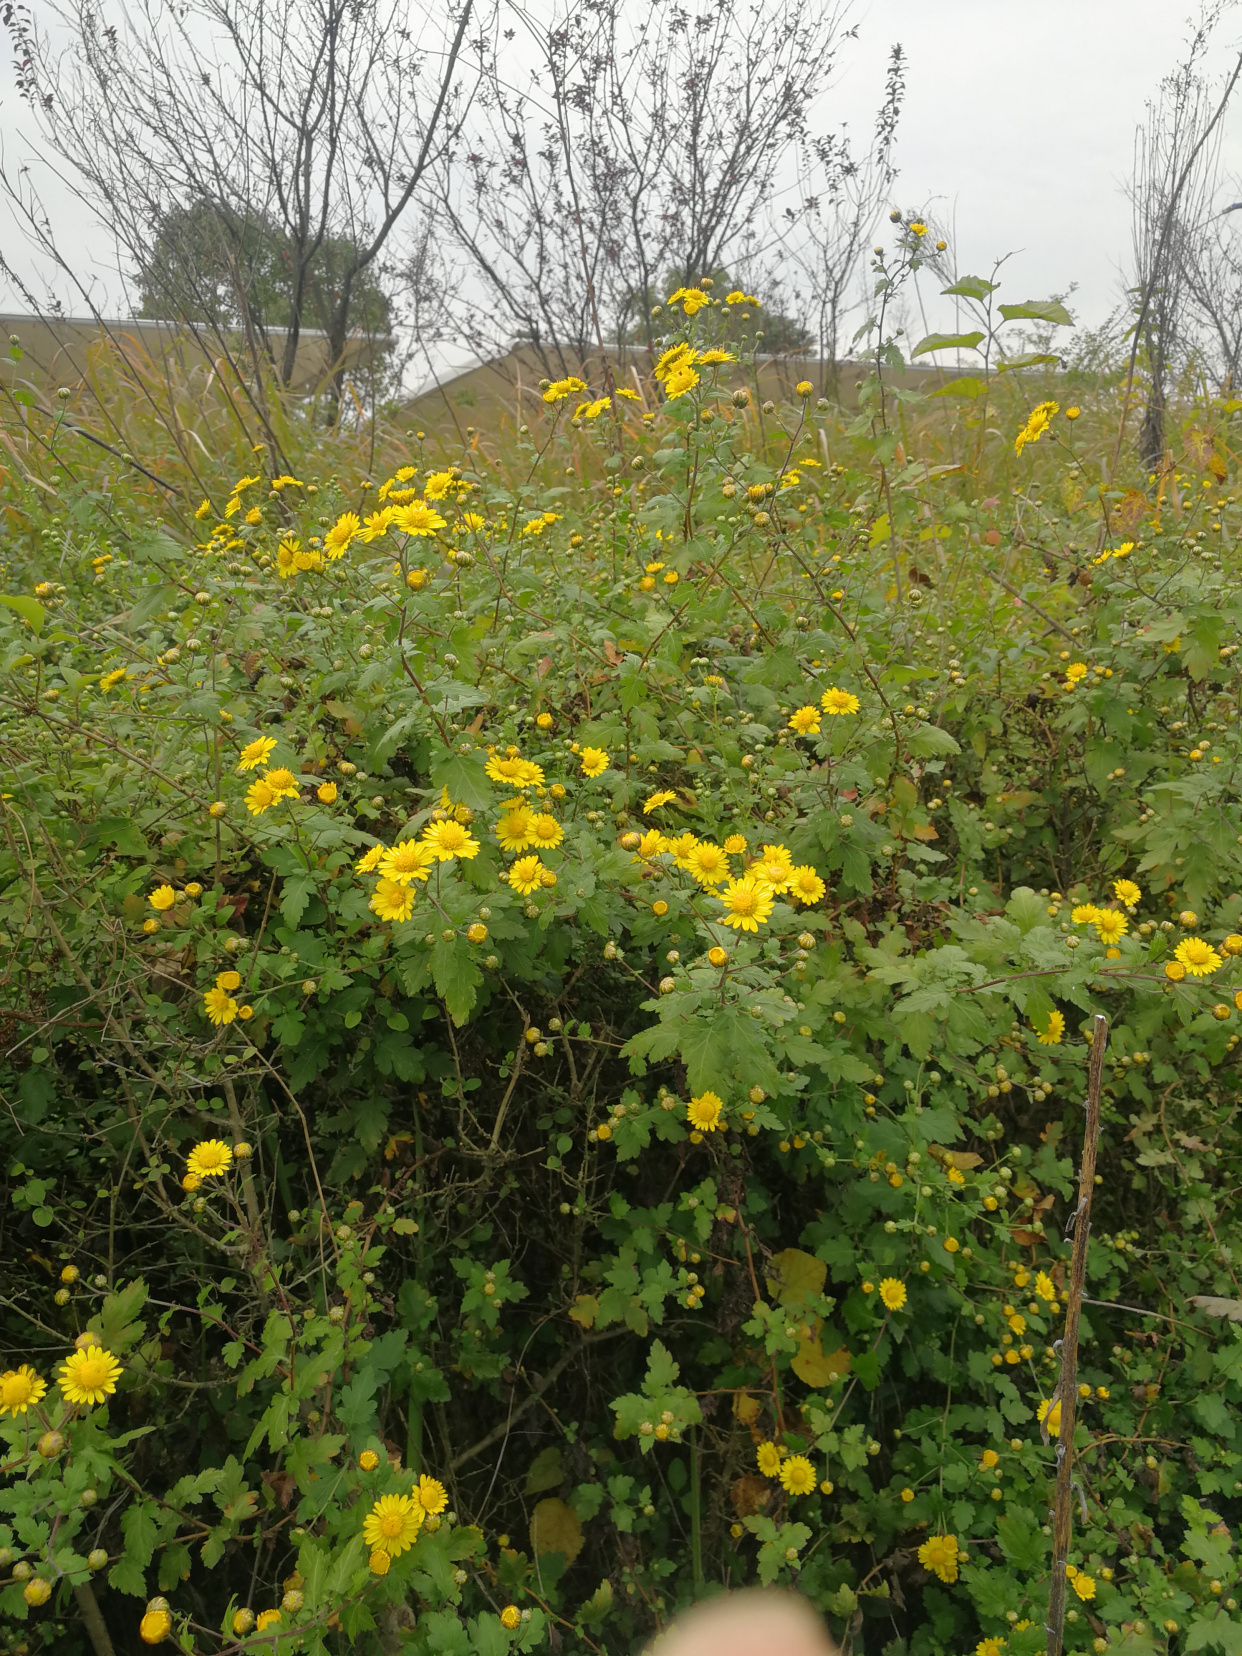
<point x="672" y="1172"/>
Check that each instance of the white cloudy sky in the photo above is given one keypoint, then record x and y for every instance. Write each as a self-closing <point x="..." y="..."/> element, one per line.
<point x="1018" y="127"/>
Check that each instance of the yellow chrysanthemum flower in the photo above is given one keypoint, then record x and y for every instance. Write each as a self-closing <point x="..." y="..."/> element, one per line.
<point x="513" y="830"/>
<point x="797" y="1476"/>
<point x="703" y="1112"/>
<point x="939" y="1555"/>
<point x="839" y="701"/>
<point x="162" y="898"/>
<point x="393" y="1524"/>
<point x="773" y="867"/>
<point x="392" y="902"/>
<point x="259" y="797"/>
<point x="681" y="379"/>
<point x="1050" y="1414"/>
<point x="768" y="1459"/>
<point x="209" y="1159"/>
<point x="1110" y="925"/>
<point x="1051" y="1033"/>
<point x="526" y="875"/>
<point x="1198" y="956"/>
<point x="518" y="773"/>
<point x="1036" y="425"/>
<point x="594" y="761"/>
<point x="432" y="1496"/>
<point x="89" y="1376"/>
<point x="1125" y="891"/>
<point x="805" y="885"/>
<point x="407" y="861"/>
<point x="447" y="840"/>
<point x="418" y="519"/>
<point x="545" y="831"/>
<point x="747" y="903"/>
<point x="336" y="541"/>
<point x="219" y="1006"/>
<point x="708" y="863"/>
<point x="805" y="720"/>
<point x="20" y="1389"/>
<point x="256" y="753"/>
<point x="282" y="782"/>
<point x="657" y="799"/>
<point x="370" y="860"/>
<point x="893" y="1293"/>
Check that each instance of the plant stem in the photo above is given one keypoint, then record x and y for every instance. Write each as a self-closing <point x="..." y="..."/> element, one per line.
<point x="696" y="1512"/>
<point x="1067" y="1385"/>
<point x="87" y="1603"/>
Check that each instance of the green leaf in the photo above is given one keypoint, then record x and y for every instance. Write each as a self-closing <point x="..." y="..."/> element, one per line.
<point x="31" y="610"/>
<point x="947" y="342"/>
<point x="926" y="741"/>
<point x="464" y="777"/>
<point x="487" y="1636"/>
<point x="1028" y="359"/>
<point x="125" y="835"/>
<point x="149" y="600"/>
<point x="127" y="1576"/>
<point x="1038" y="310"/>
<point x="139" y="1529"/>
<point x="1021" y="1542"/>
<point x="545" y="1471"/>
<point x="1026" y="908"/>
<point x="662" y="1371"/>
<point x="966" y="385"/>
<point x="155" y="546"/>
<point x="1219" y="1630"/>
<point x="117" y="1319"/>
<point x="456" y="976"/>
<point x="704" y="1054"/>
<point x="295" y="897"/>
<point x="971" y="287"/>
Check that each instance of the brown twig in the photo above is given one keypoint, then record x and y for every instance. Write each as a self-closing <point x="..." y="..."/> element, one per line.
<point x="1067" y="1385"/>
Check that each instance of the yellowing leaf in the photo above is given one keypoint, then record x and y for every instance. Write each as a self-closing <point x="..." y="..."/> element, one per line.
<point x="554" y="1527"/>
<point x="965" y="1159"/>
<point x="745" y="1407"/>
<point x="584" y="1310"/>
<point x="817" y="1368"/>
<point x="795" y="1277"/>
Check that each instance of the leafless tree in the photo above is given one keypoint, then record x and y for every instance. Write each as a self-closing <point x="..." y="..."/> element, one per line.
<point x="650" y="144"/>
<point x="840" y="197"/>
<point x="236" y="146"/>
<point x="1212" y="270"/>
<point x="1171" y="199"/>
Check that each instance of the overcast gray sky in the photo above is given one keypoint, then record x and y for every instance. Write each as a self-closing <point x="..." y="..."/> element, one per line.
<point x="1018" y="125"/>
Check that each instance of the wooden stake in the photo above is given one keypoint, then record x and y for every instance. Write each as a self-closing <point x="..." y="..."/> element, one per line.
<point x="1067" y="1386"/>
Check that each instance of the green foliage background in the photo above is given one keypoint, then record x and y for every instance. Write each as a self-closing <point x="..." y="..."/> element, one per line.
<point x="434" y="1251"/>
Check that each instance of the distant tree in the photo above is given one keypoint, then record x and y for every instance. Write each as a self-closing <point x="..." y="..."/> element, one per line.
<point x="205" y="266"/>
<point x="279" y="142"/>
